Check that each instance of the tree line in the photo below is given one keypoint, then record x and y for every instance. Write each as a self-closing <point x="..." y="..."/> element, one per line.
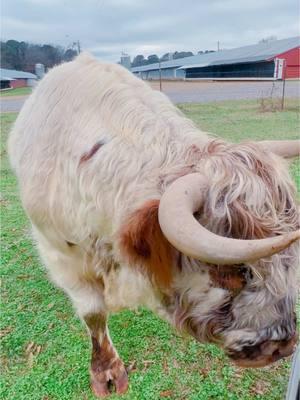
<point x="140" y="60"/>
<point x="23" y="56"/>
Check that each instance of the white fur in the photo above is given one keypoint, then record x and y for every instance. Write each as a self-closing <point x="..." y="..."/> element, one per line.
<point x="75" y="106"/>
<point x="147" y="143"/>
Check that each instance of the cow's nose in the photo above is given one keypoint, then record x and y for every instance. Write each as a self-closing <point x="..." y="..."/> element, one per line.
<point x="265" y="353"/>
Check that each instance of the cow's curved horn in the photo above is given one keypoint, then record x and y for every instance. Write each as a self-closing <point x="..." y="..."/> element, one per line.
<point x="283" y="148"/>
<point x="176" y="219"/>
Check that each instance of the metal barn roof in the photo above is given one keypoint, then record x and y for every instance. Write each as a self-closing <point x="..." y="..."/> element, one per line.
<point x="14" y="74"/>
<point x="256" y="52"/>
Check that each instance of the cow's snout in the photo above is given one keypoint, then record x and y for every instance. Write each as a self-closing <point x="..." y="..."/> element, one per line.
<point x="263" y="354"/>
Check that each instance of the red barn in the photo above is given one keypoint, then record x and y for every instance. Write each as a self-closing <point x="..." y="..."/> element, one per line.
<point x="292" y="63"/>
<point x="11" y="78"/>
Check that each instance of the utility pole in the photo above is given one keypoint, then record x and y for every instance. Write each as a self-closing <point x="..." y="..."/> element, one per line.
<point x="76" y="45"/>
<point x="218" y="46"/>
<point x="160" y="86"/>
<point x="283" y="83"/>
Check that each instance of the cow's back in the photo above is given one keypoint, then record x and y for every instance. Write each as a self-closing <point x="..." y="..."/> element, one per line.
<point x="80" y="105"/>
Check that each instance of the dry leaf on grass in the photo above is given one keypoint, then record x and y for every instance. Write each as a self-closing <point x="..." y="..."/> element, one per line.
<point x="132" y="366"/>
<point x="32" y="351"/>
<point x="166" y="393"/>
<point x="146" y="364"/>
<point x="165" y="366"/>
<point x="30" y="359"/>
<point x="260" y="387"/>
<point x="5" y="331"/>
<point x="238" y="372"/>
<point x="204" y="372"/>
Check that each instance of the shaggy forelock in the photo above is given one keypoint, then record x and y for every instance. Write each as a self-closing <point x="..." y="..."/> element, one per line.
<point x="250" y="196"/>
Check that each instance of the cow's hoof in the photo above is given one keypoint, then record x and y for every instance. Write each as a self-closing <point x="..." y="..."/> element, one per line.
<point x="102" y="382"/>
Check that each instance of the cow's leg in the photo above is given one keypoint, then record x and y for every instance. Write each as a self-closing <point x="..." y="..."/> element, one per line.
<point x="66" y="263"/>
<point x="106" y="366"/>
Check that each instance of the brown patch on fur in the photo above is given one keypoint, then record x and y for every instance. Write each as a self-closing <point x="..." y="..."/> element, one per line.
<point x="193" y="154"/>
<point x="253" y="164"/>
<point x="89" y="154"/>
<point x="142" y="241"/>
<point x="264" y="353"/>
<point x="227" y="277"/>
<point x="106" y="367"/>
<point x="70" y="244"/>
<point x="245" y="225"/>
<point x="103" y="355"/>
<point x="214" y="146"/>
<point x="96" y="323"/>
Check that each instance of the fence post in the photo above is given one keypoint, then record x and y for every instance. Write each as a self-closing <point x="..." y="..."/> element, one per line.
<point x="283" y="84"/>
<point x="160" y="88"/>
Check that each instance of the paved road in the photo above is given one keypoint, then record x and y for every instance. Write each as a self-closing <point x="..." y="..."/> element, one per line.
<point x="199" y="92"/>
<point x="203" y="92"/>
<point x="11" y="104"/>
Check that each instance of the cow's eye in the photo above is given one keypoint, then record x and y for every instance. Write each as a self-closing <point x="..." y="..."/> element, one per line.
<point x="246" y="272"/>
<point x="242" y="267"/>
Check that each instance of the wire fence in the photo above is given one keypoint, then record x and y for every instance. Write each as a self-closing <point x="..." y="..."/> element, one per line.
<point x="213" y="91"/>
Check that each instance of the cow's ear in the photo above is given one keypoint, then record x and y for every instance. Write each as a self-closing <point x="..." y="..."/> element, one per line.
<point x="143" y="244"/>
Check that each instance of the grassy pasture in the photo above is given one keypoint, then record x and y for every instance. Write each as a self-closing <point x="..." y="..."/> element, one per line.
<point x="45" y="350"/>
<point x="23" y="91"/>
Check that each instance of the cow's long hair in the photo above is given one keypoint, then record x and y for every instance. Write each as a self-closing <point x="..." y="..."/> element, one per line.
<point x="250" y="196"/>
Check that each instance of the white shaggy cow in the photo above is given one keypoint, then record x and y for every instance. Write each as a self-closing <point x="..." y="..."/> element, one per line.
<point x="132" y="205"/>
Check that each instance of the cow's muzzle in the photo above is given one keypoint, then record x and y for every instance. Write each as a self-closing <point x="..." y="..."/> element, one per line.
<point x="264" y="353"/>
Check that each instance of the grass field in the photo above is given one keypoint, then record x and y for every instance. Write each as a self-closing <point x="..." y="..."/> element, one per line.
<point x="45" y="349"/>
<point x="16" y="92"/>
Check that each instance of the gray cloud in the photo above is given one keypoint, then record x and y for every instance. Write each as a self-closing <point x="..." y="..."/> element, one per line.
<point x="108" y="27"/>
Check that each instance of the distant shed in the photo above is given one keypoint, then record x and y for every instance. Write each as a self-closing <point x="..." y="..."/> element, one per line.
<point x="273" y="59"/>
<point x="11" y="78"/>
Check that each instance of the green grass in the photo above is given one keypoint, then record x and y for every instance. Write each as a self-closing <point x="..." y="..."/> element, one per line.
<point x="45" y="350"/>
<point x="16" y="92"/>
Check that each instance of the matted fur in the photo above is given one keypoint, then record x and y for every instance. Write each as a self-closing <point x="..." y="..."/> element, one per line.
<point x="250" y="196"/>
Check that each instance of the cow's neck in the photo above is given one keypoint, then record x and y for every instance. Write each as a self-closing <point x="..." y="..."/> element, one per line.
<point x="126" y="287"/>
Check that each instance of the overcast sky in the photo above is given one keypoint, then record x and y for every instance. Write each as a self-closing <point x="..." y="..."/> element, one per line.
<point x="108" y="27"/>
